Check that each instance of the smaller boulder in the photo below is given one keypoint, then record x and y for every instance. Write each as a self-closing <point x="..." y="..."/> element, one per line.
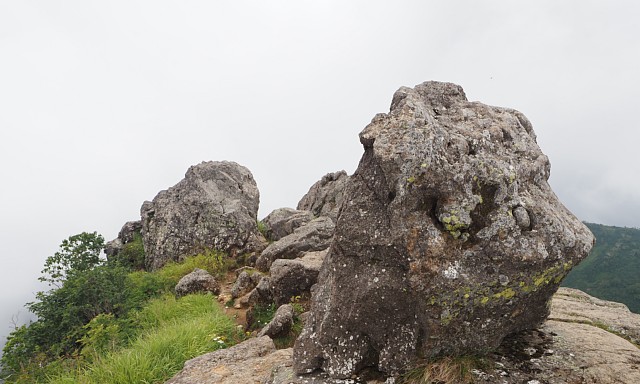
<point x="283" y="221"/>
<point x="291" y="278"/>
<point x="197" y="281"/>
<point x="314" y="236"/>
<point x="126" y="235"/>
<point x="325" y="196"/>
<point x="246" y="281"/>
<point x="281" y="323"/>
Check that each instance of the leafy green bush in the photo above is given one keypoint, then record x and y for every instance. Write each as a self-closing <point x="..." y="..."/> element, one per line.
<point x="132" y="254"/>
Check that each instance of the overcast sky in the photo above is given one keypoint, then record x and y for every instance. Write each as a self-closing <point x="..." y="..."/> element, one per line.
<point x="104" y="104"/>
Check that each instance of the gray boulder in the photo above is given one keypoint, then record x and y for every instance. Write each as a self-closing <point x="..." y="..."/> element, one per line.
<point x="126" y="235"/>
<point x="245" y="282"/>
<point x="451" y="238"/>
<point x="281" y="323"/>
<point x="289" y="278"/>
<point x="325" y="196"/>
<point x="283" y="221"/>
<point x="314" y="236"/>
<point x="215" y="206"/>
<point x="198" y="281"/>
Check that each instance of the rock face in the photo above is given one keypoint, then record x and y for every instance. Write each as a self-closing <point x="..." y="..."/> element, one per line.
<point x="449" y="239"/>
<point x="197" y="281"/>
<point x="283" y="221"/>
<point x="314" y="236"/>
<point x="325" y="196"/>
<point x="248" y="362"/>
<point x="215" y="206"/>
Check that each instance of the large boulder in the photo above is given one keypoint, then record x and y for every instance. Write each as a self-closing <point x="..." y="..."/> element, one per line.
<point x="283" y="221"/>
<point x="326" y="195"/>
<point x="215" y="206"/>
<point x="314" y="236"/>
<point x="449" y="239"/>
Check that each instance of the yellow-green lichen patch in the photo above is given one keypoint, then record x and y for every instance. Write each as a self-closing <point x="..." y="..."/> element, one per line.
<point x="506" y="294"/>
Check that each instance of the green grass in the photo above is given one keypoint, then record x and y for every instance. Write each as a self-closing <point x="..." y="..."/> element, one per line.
<point x="173" y="331"/>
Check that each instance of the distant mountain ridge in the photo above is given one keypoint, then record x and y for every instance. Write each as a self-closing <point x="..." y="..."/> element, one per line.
<point x="612" y="269"/>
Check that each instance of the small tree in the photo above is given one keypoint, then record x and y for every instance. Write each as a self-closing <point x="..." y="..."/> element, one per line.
<point x="78" y="253"/>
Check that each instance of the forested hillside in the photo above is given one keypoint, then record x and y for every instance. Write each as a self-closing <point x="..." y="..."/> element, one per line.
<point x="612" y="270"/>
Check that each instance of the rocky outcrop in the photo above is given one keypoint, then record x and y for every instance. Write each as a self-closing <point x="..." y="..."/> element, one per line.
<point x="215" y="206"/>
<point x="281" y="323"/>
<point x="451" y="238"/>
<point x="290" y="278"/>
<point x="574" y="306"/>
<point x="126" y="235"/>
<point x="314" y="236"/>
<point x="325" y="196"/>
<point x="283" y="221"/>
<point x="198" y="281"/>
<point x="248" y="362"/>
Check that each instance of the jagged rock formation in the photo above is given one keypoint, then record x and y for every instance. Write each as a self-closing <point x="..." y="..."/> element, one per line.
<point x="449" y="239"/>
<point x="316" y="235"/>
<point x="197" y="281"/>
<point x="283" y="221"/>
<point x="126" y="235"/>
<point x="215" y="206"/>
<point x="325" y="196"/>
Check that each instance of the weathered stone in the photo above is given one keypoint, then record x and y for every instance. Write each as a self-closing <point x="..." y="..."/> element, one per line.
<point x="246" y="363"/>
<point x="281" y="323"/>
<point x="579" y="343"/>
<point x="197" y="281"/>
<point x="290" y="278"/>
<point x="426" y="231"/>
<point x="574" y="306"/>
<point x="314" y="236"/>
<point x="126" y="235"/>
<point x="283" y="221"/>
<point x="215" y="206"/>
<point x="325" y="196"/>
<point x="245" y="282"/>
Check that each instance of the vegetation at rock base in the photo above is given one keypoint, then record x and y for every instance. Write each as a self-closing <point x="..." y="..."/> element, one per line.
<point x="445" y="370"/>
<point x="611" y="270"/>
<point x="102" y="321"/>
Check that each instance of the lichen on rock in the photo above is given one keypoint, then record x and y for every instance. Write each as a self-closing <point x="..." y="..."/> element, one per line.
<point x="449" y="238"/>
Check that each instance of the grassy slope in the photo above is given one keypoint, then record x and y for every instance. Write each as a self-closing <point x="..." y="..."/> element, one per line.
<point x="174" y="331"/>
<point x="612" y="270"/>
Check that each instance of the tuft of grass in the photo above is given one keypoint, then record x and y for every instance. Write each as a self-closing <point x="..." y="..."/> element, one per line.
<point x="174" y="330"/>
<point x="445" y="370"/>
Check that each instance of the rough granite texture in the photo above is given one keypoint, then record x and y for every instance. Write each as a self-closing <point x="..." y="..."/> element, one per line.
<point x="214" y="207"/>
<point x="316" y="235"/>
<point x="198" y="281"/>
<point x="449" y="238"/>
<point x="326" y="196"/>
<point x="283" y="221"/>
